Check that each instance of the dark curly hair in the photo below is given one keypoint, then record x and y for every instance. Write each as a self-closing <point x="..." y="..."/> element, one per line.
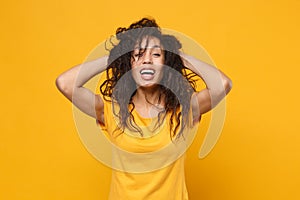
<point x="119" y="63"/>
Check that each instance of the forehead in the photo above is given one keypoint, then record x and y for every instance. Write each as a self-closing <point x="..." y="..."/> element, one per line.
<point x="148" y="42"/>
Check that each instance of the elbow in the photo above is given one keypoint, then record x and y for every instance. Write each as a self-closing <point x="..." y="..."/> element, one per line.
<point x="60" y="83"/>
<point x="227" y="85"/>
<point x="64" y="87"/>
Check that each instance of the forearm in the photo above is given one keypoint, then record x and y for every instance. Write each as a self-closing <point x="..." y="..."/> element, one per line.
<point x="217" y="83"/>
<point x="77" y="76"/>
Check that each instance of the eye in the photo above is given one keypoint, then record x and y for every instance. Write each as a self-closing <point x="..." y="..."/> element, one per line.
<point x="138" y="53"/>
<point x="137" y="56"/>
<point x="156" y="54"/>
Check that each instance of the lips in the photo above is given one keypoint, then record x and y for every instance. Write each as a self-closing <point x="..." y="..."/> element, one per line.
<point x="147" y="73"/>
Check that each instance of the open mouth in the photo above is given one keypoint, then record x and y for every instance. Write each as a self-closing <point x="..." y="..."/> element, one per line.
<point x="147" y="72"/>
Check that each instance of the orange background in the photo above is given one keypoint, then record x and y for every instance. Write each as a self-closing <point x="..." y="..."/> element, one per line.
<point x="255" y="42"/>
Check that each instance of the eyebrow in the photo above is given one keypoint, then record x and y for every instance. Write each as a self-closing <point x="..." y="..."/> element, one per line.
<point x="156" y="46"/>
<point x="153" y="47"/>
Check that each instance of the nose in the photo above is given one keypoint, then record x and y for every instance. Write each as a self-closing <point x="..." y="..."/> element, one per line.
<point x="147" y="59"/>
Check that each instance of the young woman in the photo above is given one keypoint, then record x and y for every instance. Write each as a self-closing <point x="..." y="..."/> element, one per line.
<point x="147" y="104"/>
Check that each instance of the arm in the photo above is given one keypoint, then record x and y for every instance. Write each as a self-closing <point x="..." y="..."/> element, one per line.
<point x="217" y="83"/>
<point x="70" y="84"/>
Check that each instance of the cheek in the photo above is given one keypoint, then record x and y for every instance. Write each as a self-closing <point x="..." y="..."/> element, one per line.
<point x="132" y="62"/>
<point x="134" y="72"/>
<point x="162" y="61"/>
<point x="135" y="64"/>
<point x="161" y="74"/>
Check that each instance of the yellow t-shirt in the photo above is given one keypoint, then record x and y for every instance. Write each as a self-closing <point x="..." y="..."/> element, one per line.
<point x="145" y="168"/>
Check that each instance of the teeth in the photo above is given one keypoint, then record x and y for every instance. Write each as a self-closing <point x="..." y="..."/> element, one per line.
<point x="147" y="71"/>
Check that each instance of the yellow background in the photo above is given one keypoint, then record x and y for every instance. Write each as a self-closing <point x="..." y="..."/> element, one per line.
<point x="255" y="42"/>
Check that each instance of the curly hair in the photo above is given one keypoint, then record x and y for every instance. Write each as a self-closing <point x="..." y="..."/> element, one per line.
<point x="176" y="99"/>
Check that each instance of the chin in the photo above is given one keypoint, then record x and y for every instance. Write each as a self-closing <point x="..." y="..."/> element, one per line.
<point x="148" y="85"/>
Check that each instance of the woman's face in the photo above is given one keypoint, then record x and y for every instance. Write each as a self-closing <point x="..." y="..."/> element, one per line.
<point x="147" y="62"/>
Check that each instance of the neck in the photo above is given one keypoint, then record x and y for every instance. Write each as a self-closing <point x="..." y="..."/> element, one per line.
<point x="147" y="97"/>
